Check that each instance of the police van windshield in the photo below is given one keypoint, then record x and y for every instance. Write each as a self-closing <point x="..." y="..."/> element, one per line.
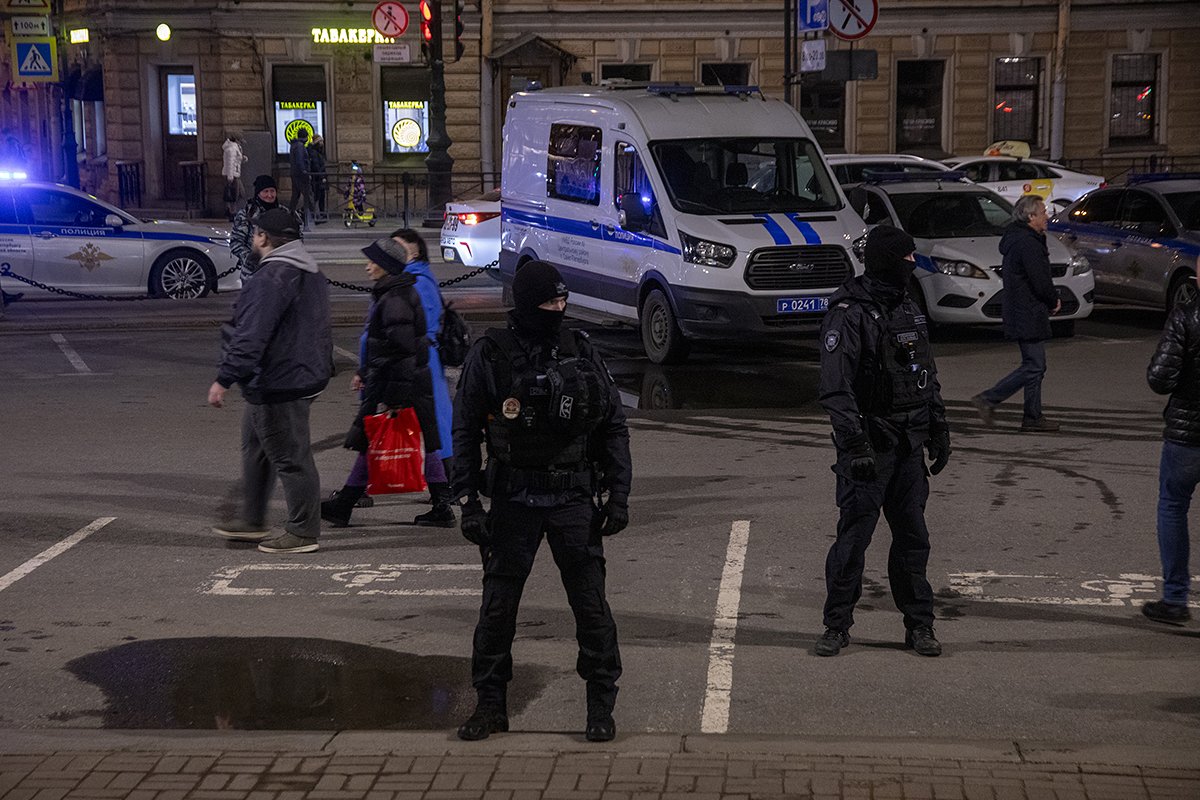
<point x="951" y="215"/>
<point x="744" y="175"/>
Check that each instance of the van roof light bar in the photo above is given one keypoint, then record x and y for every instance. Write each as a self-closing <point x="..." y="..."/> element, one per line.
<point x="669" y="89"/>
<point x="871" y="176"/>
<point x="1148" y="177"/>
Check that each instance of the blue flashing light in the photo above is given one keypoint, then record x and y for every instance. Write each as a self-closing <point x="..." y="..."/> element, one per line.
<point x="731" y="89"/>
<point x="871" y="176"/>
<point x="671" y="88"/>
<point x="13" y="175"/>
<point x="1150" y="177"/>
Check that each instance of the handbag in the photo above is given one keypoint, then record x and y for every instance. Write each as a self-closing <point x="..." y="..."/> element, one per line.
<point x="395" y="452"/>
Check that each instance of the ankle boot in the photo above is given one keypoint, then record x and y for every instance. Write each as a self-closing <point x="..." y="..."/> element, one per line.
<point x="441" y="515"/>
<point x="340" y="505"/>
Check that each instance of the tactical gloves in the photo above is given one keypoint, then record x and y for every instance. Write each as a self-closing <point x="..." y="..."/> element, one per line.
<point x="474" y="525"/>
<point x="862" y="457"/>
<point x="614" y="515"/>
<point x="938" y="446"/>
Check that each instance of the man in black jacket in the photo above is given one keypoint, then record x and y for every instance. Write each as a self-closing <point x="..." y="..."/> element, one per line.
<point x="1175" y="370"/>
<point x="301" y="174"/>
<point x="879" y="384"/>
<point x="1028" y="301"/>
<point x="550" y="414"/>
<point x="280" y="351"/>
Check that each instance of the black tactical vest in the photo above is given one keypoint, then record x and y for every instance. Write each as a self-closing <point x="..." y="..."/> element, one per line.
<point x="544" y="414"/>
<point x="899" y="376"/>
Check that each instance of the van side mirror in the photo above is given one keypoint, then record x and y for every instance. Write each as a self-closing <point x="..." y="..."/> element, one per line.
<point x="113" y="221"/>
<point x="633" y="216"/>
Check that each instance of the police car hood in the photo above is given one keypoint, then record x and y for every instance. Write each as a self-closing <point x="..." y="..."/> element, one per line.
<point x="176" y="228"/>
<point x="983" y="251"/>
<point x="747" y="232"/>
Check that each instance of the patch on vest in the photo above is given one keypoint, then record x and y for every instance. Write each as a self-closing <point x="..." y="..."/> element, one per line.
<point x="565" y="404"/>
<point x="511" y="408"/>
<point x="832" y="340"/>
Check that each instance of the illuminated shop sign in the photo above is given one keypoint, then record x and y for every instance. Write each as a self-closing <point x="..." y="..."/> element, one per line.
<point x="348" y="36"/>
<point x="406" y="125"/>
<point x="298" y="106"/>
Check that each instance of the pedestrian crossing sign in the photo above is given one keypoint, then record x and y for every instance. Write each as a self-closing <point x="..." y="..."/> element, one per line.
<point x="35" y="59"/>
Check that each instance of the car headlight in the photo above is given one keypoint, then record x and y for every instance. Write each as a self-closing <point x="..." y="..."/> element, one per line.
<point x="706" y="253"/>
<point x="218" y="241"/>
<point x="959" y="269"/>
<point x="1080" y="265"/>
<point x="859" y="248"/>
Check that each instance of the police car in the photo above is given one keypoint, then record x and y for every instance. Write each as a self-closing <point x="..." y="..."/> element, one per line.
<point x="957" y="227"/>
<point x="62" y="237"/>
<point x="1142" y="239"/>
<point x="850" y="168"/>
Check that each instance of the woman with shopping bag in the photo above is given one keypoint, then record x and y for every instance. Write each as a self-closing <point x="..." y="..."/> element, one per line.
<point x="393" y="374"/>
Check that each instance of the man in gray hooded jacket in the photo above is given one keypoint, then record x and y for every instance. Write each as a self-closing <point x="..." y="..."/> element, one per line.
<point x="279" y="349"/>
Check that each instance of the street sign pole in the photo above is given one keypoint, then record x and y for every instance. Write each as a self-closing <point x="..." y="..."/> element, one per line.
<point x="789" y="22"/>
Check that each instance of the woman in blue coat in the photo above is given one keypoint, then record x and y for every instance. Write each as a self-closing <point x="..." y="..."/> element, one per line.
<point x="441" y="515"/>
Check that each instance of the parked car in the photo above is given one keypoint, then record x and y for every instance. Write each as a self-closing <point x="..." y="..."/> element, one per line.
<point x="62" y="237"/>
<point x="957" y="226"/>
<point x="1012" y="177"/>
<point x="1142" y="239"/>
<point x="851" y="168"/>
<point x="471" y="231"/>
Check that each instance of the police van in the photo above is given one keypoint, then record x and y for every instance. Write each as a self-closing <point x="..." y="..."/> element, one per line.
<point x="692" y="212"/>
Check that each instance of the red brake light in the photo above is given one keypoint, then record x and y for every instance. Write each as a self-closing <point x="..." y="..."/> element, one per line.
<point x="1103" y="185"/>
<point x="474" y="217"/>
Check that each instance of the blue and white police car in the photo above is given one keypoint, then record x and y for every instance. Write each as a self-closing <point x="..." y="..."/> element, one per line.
<point x="64" y="238"/>
<point x="957" y="227"/>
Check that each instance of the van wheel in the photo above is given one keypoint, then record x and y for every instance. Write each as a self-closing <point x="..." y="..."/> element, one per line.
<point x="1183" y="288"/>
<point x="181" y="275"/>
<point x="661" y="337"/>
<point x="1063" y="330"/>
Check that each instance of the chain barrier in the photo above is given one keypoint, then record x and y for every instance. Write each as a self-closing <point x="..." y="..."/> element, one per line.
<point x="449" y="282"/>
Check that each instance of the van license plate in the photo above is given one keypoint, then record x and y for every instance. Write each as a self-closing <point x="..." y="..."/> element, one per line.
<point x="801" y="305"/>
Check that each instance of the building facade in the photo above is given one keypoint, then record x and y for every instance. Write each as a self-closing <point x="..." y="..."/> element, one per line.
<point x="933" y="77"/>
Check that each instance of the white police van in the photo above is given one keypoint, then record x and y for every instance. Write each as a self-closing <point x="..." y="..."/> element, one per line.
<point x="691" y="212"/>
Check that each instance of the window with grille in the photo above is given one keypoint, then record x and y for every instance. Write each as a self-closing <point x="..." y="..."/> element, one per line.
<point x="1134" y="99"/>
<point x="1016" y="105"/>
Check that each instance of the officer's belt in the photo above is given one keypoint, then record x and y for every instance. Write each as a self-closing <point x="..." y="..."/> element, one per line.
<point x="544" y="479"/>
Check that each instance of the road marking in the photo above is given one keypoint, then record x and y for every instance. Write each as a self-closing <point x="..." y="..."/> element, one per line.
<point x="356" y="579"/>
<point x="70" y="353"/>
<point x="714" y="718"/>
<point x="50" y="552"/>
<point x="1125" y="590"/>
<point x="344" y="353"/>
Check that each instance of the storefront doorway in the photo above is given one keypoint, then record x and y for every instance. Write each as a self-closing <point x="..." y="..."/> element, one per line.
<point x="177" y="93"/>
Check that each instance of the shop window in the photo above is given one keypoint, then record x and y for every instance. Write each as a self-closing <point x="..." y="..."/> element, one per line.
<point x="1134" y="99"/>
<point x="638" y="73"/>
<point x="405" y="97"/>
<point x="181" y="105"/>
<point x="1016" y="103"/>
<point x="720" y="74"/>
<point x="299" y="96"/>
<point x="630" y="177"/>
<point x="919" y="105"/>
<point x="573" y="164"/>
<point x="823" y="106"/>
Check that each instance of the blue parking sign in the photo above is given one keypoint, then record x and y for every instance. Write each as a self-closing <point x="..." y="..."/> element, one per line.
<point x="35" y="59"/>
<point x="812" y="15"/>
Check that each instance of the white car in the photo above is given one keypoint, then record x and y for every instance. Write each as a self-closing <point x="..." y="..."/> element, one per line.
<point x="64" y="238"/>
<point x="957" y="226"/>
<point x="851" y="168"/>
<point x="471" y="231"/>
<point x="1012" y="177"/>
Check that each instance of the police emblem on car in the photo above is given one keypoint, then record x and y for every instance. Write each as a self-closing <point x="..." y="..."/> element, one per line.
<point x="832" y="339"/>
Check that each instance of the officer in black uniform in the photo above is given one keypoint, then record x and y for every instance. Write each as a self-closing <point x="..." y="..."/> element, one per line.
<point x="880" y="387"/>
<point x="558" y="464"/>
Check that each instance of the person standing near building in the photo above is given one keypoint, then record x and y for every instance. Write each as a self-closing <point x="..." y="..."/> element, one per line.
<point x="320" y="179"/>
<point x="280" y="351"/>
<point x="241" y="240"/>
<point x="879" y="384"/>
<point x="1028" y="302"/>
<point x="542" y="400"/>
<point x="1175" y="370"/>
<point x="301" y="174"/>
<point x="231" y="169"/>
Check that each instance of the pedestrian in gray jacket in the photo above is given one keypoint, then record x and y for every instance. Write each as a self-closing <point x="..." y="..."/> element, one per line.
<point x="279" y="349"/>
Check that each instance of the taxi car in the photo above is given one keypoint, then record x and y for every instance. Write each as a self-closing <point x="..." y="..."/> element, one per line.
<point x="62" y="237"/>
<point x="1012" y="177"/>
<point x="1142" y="239"/>
<point x="471" y="231"/>
<point x="957" y="227"/>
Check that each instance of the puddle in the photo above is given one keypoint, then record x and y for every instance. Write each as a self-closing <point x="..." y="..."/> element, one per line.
<point x="703" y="386"/>
<point x="285" y="684"/>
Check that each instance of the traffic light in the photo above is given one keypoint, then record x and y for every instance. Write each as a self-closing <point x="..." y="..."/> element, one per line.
<point x="428" y="26"/>
<point x="459" y="47"/>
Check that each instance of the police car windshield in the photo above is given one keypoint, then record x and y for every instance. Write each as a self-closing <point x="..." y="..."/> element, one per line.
<point x="951" y="215"/>
<point x="1186" y="206"/>
<point x="744" y="175"/>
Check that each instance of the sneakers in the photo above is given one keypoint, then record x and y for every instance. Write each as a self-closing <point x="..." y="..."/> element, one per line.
<point x="288" y="543"/>
<point x="987" y="411"/>
<point x="1170" y="613"/>
<point x="831" y="642"/>
<point x="239" y="531"/>
<point x="922" y="640"/>
<point x="483" y="723"/>
<point x="1039" y="425"/>
<point x="600" y="727"/>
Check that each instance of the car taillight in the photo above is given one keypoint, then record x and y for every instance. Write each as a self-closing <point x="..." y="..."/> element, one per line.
<point x="1103" y="185"/>
<point x="475" y="217"/>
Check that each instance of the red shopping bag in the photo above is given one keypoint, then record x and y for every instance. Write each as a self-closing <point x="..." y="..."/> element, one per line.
<point x="395" y="453"/>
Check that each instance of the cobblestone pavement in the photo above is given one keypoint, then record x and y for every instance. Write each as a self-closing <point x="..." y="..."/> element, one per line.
<point x="552" y="767"/>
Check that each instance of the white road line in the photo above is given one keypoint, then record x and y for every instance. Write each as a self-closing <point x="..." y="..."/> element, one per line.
<point x="70" y="353"/>
<point x="344" y="353"/>
<point x="714" y="718"/>
<point x="50" y="552"/>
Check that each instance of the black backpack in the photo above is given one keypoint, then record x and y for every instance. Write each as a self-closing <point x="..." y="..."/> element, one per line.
<point x="454" y="338"/>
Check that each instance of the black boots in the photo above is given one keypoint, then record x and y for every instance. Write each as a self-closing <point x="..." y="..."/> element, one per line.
<point x="600" y="702"/>
<point x="337" y="509"/>
<point x="486" y="720"/>
<point x="441" y="515"/>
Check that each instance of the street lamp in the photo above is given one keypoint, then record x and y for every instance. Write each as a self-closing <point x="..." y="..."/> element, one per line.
<point x="163" y="32"/>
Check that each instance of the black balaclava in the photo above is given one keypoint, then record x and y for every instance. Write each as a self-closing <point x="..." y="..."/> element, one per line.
<point x="887" y="267"/>
<point x="535" y="283"/>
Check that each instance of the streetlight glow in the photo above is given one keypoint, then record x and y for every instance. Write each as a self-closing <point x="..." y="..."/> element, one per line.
<point x="163" y="32"/>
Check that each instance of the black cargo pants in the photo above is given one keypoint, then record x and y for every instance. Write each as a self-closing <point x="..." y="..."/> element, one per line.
<point x="516" y="534"/>
<point x="900" y="489"/>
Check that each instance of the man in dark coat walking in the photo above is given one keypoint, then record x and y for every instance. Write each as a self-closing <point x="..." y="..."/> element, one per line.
<point x="1028" y="302"/>
<point x="301" y="173"/>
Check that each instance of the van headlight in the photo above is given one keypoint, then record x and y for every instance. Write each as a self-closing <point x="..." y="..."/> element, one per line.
<point x="959" y="269"/>
<point x="705" y="253"/>
<point x="1079" y="265"/>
